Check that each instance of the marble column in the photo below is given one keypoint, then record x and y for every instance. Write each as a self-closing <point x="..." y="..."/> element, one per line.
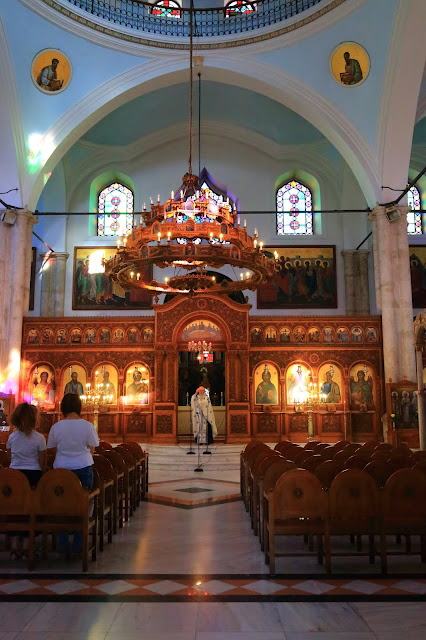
<point x="53" y="284"/>
<point x="355" y="264"/>
<point x="420" y="397"/>
<point x="393" y="293"/>
<point x="16" y="282"/>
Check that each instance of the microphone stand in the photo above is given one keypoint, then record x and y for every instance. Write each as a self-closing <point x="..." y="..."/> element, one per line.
<point x="191" y="428"/>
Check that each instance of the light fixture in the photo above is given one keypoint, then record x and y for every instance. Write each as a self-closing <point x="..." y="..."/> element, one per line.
<point x="191" y="233"/>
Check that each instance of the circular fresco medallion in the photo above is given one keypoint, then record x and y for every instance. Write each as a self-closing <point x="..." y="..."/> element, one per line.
<point x="350" y="64"/>
<point x="51" y="71"/>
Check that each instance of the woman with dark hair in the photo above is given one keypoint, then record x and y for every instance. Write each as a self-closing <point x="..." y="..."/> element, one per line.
<point x="74" y="441"/>
<point x="27" y="451"/>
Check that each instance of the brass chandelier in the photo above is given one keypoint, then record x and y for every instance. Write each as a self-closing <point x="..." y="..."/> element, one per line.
<point x="192" y="232"/>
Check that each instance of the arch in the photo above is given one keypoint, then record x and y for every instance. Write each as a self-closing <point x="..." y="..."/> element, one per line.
<point x="270" y="82"/>
<point x="201" y="315"/>
<point x="294" y="209"/>
<point x="101" y="182"/>
<point x="414" y="216"/>
<point x="166" y="9"/>
<point x="239" y="7"/>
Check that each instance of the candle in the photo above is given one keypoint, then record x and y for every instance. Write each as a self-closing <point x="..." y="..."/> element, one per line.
<point x="140" y="221"/>
<point x="169" y="236"/>
<point x="132" y="274"/>
<point x="247" y="275"/>
<point x="158" y="199"/>
<point x="144" y="206"/>
<point x="166" y="280"/>
<point x="181" y="194"/>
<point x="242" y="276"/>
<point x="211" y="236"/>
<point x="276" y="256"/>
<point x="214" y="278"/>
<point x="255" y="244"/>
<point x="138" y="275"/>
<point x="245" y="224"/>
<point x="255" y="231"/>
<point x="172" y="195"/>
<point x="221" y="237"/>
<point x="159" y="237"/>
<point x="118" y="243"/>
<point x="238" y="220"/>
<point x="152" y="201"/>
<point x="261" y="246"/>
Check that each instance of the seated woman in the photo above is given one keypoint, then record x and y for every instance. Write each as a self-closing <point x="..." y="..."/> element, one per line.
<point x="27" y="451"/>
<point x="74" y="441"/>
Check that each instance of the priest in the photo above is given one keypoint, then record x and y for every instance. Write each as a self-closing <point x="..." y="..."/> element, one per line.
<point x="203" y="422"/>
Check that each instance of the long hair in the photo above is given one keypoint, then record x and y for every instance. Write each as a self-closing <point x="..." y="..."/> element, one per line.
<point x="24" y="418"/>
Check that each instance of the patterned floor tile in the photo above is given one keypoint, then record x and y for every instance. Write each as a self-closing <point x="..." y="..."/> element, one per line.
<point x="214" y="587"/>
<point x="314" y="586"/>
<point x="363" y="586"/>
<point x="412" y="586"/>
<point x="18" y="586"/>
<point x="265" y="587"/>
<point x="165" y="587"/>
<point x="115" y="587"/>
<point x="67" y="586"/>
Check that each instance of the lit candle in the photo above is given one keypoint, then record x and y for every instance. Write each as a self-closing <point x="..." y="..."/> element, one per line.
<point x="138" y="275"/>
<point x="172" y="195"/>
<point x="227" y="200"/>
<point x="118" y="243"/>
<point x="238" y="220"/>
<point x="125" y="242"/>
<point x="166" y="280"/>
<point x="132" y="274"/>
<point x="247" y="275"/>
<point x="169" y="236"/>
<point x="144" y="206"/>
<point x="221" y="237"/>
<point x="159" y="237"/>
<point x="158" y="199"/>
<point x="261" y="246"/>
<point x="152" y="201"/>
<point x="96" y="374"/>
<point x="255" y="231"/>
<point x="213" y="278"/>
<point x="211" y="236"/>
<point x="197" y="194"/>
<point x="276" y="256"/>
<point x="140" y="221"/>
<point x="242" y="276"/>
<point x="181" y="194"/>
<point x="255" y="244"/>
<point x="245" y="224"/>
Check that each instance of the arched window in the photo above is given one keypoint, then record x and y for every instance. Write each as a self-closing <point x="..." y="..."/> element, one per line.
<point x="166" y="9"/>
<point x="294" y="209"/>
<point x="414" y="216"/>
<point x="115" y="211"/>
<point x="239" y="7"/>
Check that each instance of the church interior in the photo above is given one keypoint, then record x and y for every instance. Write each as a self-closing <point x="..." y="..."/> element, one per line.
<point x="218" y="204"/>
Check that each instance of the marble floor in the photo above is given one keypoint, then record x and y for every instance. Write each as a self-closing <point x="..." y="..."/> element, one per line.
<point x="198" y="574"/>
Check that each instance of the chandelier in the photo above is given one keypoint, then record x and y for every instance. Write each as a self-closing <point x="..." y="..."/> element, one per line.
<point x="192" y="232"/>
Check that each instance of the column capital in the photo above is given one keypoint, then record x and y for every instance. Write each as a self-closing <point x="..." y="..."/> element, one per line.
<point x="380" y="211"/>
<point x="347" y="252"/>
<point x="25" y="213"/>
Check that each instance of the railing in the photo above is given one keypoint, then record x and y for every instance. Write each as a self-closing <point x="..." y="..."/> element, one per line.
<point x="135" y="14"/>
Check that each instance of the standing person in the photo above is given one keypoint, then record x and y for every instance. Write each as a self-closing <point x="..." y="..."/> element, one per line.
<point x="74" y="441"/>
<point x="27" y="451"/>
<point x="203" y="421"/>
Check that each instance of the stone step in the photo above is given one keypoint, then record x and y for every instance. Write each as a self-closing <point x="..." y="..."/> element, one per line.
<point x="175" y="458"/>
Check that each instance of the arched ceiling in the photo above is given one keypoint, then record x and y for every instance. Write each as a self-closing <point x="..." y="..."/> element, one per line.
<point x="168" y="106"/>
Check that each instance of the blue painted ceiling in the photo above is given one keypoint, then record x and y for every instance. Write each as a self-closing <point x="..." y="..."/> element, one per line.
<point x="219" y="102"/>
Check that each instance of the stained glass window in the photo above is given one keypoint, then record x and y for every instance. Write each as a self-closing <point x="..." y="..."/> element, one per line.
<point x="115" y="211"/>
<point x="414" y="216"/>
<point x="294" y="209"/>
<point x="239" y="7"/>
<point x="166" y="9"/>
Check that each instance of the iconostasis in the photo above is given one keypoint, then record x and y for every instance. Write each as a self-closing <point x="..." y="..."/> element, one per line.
<point x="271" y="372"/>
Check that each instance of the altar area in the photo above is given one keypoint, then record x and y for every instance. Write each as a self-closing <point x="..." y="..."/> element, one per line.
<point x="282" y="377"/>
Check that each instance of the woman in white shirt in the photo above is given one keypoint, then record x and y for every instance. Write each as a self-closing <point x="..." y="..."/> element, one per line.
<point x="74" y="441"/>
<point x="27" y="451"/>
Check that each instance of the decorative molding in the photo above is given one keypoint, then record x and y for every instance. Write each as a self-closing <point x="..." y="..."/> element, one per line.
<point x="103" y="32"/>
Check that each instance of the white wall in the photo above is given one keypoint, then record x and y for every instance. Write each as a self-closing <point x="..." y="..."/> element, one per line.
<point x="248" y="172"/>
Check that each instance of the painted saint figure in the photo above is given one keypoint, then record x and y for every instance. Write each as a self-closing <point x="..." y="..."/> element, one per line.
<point x="74" y="385"/>
<point x="266" y="392"/>
<point x="43" y="393"/>
<point x="330" y="391"/>
<point x="108" y="387"/>
<point x="361" y="390"/>
<point x="203" y="421"/>
<point x="353" y="71"/>
<point x="138" y="390"/>
<point x="48" y="79"/>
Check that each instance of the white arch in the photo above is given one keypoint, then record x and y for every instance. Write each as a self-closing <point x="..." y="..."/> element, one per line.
<point x="270" y="82"/>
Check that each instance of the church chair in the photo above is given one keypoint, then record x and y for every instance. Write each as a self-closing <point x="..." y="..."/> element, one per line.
<point x="105" y="445"/>
<point x="353" y="509"/>
<point x="50" y="459"/>
<point x="352" y="447"/>
<point x="420" y="466"/>
<point x="15" y="502"/>
<point x="132" y="469"/>
<point x="143" y="456"/>
<point x="357" y="461"/>
<point x="326" y="454"/>
<point x="327" y="471"/>
<point x="341" y="456"/>
<point x="117" y="461"/>
<point x="257" y="475"/>
<point x="297" y="506"/>
<point x="312" y="444"/>
<point x="404" y="512"/>
<point x="401" y="450"/>
<point x="381" y="454"/>
<point x="139" y="472"/>
<point x="61" y="504"/>
<point x="311" y="463"/>
<point x="254" y="456"/>
<point x="399" y="462"/>
<point x="416" y="456"/>
<point x="341" y="444"/>
<point x="270" y="478"/>
<point x="258" y="449"/>
<point x="119" y="482"/>
<point x="283" y="445"/>
<point x="105" y="506"/>
<point x="291" y="454"/>
<point x="3" y="446"/>
<point x="243" y="458"/>
<point x="384" y="445"/>
<point x="109" y="478"/>
<point x="302" y="456"/>
<point x="380" y="471"/>
<point x="4" y="458"/>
